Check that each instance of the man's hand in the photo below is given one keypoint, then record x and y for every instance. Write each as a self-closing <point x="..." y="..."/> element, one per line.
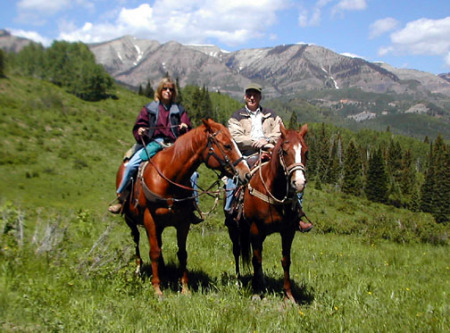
<point x="258" y="144"/>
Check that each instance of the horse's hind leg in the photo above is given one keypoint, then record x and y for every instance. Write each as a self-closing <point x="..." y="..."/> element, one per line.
<point x="136" y="236"/>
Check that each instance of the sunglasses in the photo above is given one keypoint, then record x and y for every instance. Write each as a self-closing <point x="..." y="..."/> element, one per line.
<point x="167" y="88"/>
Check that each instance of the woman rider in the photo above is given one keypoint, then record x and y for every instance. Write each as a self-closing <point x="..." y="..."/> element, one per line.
<point x="158" y="124"/>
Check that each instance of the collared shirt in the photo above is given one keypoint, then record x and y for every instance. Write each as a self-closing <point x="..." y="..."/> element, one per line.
<point x="256" y="119"/>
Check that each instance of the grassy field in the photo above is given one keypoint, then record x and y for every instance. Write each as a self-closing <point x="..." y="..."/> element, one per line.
<point x="67" y="265"/>
<point x="81" y="279"/>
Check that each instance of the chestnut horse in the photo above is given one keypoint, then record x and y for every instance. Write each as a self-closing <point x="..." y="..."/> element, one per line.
<point x="162" y="195"/>
<point x="270" y="205"/>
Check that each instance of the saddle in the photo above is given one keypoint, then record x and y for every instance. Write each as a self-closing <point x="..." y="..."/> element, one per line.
<point x="254" y="161"/>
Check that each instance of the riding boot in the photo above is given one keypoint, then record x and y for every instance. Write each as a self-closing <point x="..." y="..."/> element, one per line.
<point x="118" y="207"/>
<point x="304" y="226"/>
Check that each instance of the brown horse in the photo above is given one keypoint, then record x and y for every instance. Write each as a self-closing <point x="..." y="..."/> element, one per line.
<point x="162" y="195"/>
<point x="270" y="205"/>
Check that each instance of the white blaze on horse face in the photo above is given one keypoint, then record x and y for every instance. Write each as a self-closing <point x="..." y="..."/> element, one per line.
<point x="298" y="179"/>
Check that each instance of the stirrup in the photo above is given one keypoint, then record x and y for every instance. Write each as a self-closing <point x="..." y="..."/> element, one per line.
<point x="115" y="209"/>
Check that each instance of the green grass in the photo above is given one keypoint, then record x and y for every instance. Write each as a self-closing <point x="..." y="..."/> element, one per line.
<point x="342" y="283"/>
<point x="67" y="265"/>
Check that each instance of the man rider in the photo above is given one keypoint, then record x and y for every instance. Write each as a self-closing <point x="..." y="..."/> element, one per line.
<point x="254" y="127"/>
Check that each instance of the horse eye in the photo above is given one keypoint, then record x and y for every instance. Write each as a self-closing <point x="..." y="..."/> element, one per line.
<point x="228" y="146"/>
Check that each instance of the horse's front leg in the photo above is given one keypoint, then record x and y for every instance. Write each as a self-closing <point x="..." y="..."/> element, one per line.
<point x="286" y="241"/>
<point x="182" y="233"/>
<point x="233" y="232"/>
<point x="153" y="235"/>
<point x="258" y="277"/>
<point x="136" y="236"/>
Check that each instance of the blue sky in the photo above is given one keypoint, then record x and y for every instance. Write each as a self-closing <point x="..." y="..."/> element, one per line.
<point x="411" y="34"/>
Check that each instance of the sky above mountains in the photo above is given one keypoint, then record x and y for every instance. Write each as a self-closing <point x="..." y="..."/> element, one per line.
<point x="412" y="34"/>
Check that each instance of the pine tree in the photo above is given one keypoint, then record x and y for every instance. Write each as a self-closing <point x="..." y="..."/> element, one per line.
<point x="334" y="165"/>
<point x="408" y="174"/>
<point x="205" y="104"/>
<point x="140" y="91"/>
<point x="394" y="160"/>
<point x="441" y="191"/>
<point x="352" y="182"/>
<point x="148" y="91"/>
<point x="377" y="179"/>
<point x="293" y="123"/>
<point x="322" y="153"/>
<point x="2" y="63"/>
<point x="179" y="98"/>
<point x="426" y="193"/>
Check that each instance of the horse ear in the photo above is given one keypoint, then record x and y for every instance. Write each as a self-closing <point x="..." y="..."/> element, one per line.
<point x="283" y="130"/>
<point x="207" y="124"/>
<point x="303" y="130"/>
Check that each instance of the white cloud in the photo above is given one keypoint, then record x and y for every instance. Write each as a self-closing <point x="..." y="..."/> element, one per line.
<point x="447" y="60"/>
<point x="229" y="21"/>
<point x="313" y="17"/>
<point x="31" y="35"/>
<point x="382" y="26"/>
<point x="138" y="19"/>
<point x="45" y="7"/>
<point x="349" y="5"/>
<point x="423" y="36"/>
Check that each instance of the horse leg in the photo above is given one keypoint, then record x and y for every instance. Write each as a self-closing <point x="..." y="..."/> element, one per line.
<point x="136" y="236"/>
<point x="286" y="241"/>
<point x="182" y="233"/>
<point x="155" y="249"/>
<point x="258" y="276"/>
<point x="233" y="232"/>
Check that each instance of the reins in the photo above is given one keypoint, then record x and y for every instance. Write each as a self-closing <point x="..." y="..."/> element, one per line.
<point x="225" y="162"/>
<point x="269" y="197"/>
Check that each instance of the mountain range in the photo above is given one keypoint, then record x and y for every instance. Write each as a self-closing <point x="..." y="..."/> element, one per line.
<point x="282" y="70"/>
<point x="315" y="73"/>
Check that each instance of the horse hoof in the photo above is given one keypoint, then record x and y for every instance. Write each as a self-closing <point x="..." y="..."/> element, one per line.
<point x="256" y="297"/>
<point x="289" y="298"/>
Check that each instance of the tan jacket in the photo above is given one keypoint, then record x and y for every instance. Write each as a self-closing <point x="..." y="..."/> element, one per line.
<point x="240" y="127"/>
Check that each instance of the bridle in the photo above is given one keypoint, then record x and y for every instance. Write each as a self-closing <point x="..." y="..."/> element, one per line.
<point x="225" y="161"/>
<point x="288" y="170"/>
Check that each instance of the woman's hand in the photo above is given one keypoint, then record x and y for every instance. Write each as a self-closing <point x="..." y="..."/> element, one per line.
<point x="141" y="131"/>
<point x="183" y="127"/>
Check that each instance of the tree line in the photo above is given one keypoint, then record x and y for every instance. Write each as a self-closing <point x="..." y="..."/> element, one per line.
<point x="71" y="66"/>
<point x="386" y="173"/>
